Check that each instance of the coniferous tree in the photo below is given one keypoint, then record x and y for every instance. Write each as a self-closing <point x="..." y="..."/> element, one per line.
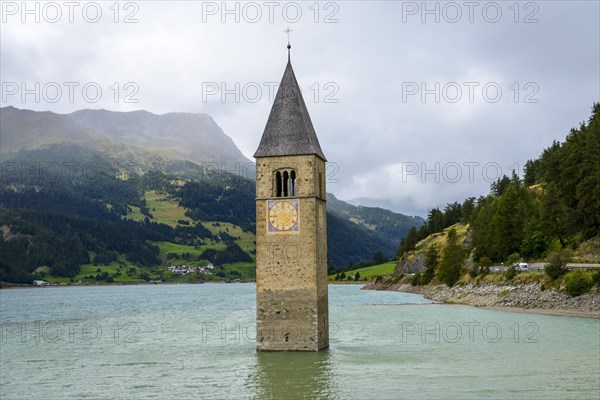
<point x="482" y="235"/>
<point x="467" y="209"/>
<point x="531" y="172"/>
<point x="452" y="214"/>
<point x="408" y="242"/>
<point x="431" y="264"/>
<point x="534" y="246"/>
<point x="554" y="213"/>
<point x="508" y="223"/>
<point x="452" y="260"/>
<point x="435" y="221"/>
<point x="423" y="232"/>
<point x="498" y="187"/>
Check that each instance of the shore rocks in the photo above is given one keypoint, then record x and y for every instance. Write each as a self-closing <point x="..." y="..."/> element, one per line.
<point x="501" y="295"/>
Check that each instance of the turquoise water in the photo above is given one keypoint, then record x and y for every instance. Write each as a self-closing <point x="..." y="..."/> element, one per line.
<point x="197" y="342"/>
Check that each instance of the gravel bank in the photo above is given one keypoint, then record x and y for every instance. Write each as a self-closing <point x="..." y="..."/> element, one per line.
<point x="528" y="298"/>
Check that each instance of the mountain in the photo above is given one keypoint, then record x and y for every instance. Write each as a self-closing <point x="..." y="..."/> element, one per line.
<point x="186" y="136"/>
<point x="150" y="139"/>
<point x="403" y="205"/>
<point x="383" y="223"/>
<point x="93" y="186"/>
<point x="25" y="129"/>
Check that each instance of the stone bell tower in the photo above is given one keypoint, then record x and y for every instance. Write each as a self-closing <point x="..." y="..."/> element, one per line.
<point x="291" y="228"/>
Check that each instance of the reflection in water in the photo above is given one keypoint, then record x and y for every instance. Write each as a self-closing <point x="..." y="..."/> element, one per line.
<point x="292" y="375"/>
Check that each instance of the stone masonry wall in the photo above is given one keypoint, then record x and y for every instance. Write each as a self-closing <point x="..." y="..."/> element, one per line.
<point x="291" y="267"/>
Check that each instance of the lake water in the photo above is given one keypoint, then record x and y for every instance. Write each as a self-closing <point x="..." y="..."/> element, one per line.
<point x="197" y="342"/>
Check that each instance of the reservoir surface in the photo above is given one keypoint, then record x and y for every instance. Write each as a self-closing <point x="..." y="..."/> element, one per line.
<point x="198" y="342"/>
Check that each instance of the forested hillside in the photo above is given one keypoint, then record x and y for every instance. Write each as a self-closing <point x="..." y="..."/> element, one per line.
<point x="380" y="222"/>
<point x="63" y="224"/>
<point x="99" y="189"/>
<point x="553" y="209"/>
<point x="556" y="205"/>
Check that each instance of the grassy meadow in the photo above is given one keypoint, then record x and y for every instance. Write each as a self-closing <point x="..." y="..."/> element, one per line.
<point x="369" y="273"/>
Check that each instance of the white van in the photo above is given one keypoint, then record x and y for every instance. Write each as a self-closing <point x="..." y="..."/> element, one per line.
<point x="522" y="267"/>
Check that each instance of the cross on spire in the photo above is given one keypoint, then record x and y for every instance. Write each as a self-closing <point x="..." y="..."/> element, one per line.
<point x="289" y="130"/>
<point x="288" y="30"/>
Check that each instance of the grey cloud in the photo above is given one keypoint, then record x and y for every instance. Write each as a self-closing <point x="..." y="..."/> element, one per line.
<point x="370" y="53"/>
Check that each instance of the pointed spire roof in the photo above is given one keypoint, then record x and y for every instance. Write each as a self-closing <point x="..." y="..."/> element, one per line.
<point x="289" y="130"/>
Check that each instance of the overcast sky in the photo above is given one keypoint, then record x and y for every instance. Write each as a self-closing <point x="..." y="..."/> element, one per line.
<point x="415" y="104"/>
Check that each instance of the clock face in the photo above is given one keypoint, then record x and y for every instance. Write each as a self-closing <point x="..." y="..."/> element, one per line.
<point x="282" y="216"/>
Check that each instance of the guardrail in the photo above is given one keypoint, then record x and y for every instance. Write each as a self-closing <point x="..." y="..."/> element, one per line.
<point x="540" y="267"/>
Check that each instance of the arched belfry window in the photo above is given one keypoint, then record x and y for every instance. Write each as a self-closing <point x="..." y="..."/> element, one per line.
<point x="292" y="183"/>
<point x="285" y="183"/>
<point x="278" y="185"/>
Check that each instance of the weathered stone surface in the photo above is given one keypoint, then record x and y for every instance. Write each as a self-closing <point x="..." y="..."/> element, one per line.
<point x="291" y="256"/>
<point x="291" y="267"/>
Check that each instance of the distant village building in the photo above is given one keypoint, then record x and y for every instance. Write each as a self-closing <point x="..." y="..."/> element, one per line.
<point x="185" y="270"/>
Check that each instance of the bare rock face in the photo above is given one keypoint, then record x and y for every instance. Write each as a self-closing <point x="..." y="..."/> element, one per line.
<point x="410" y="264"/>
<point x="590" y="249"/>
<point x="469" y="262"/>
<point x="414" y="261"/>
<point x="468" y="240"/>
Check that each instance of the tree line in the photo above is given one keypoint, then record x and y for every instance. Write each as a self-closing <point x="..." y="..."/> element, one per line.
<point x="553" y="208"/>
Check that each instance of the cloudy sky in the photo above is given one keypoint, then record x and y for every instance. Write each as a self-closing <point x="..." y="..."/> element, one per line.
<point x="416" y="104"/>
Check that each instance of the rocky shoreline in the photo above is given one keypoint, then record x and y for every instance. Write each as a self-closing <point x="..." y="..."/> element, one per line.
<point x="519" y="297"/>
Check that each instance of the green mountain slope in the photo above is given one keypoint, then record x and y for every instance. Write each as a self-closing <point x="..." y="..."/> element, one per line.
<point x="382" y="223"/>
<point x="77" y="196"/>
<point x="552" y="213"/>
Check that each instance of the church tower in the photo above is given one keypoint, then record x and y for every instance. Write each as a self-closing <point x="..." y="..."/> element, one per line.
<point x="291" y="228"/>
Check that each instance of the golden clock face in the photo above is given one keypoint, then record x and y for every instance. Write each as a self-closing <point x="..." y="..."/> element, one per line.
<point x="283" y="216"/>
